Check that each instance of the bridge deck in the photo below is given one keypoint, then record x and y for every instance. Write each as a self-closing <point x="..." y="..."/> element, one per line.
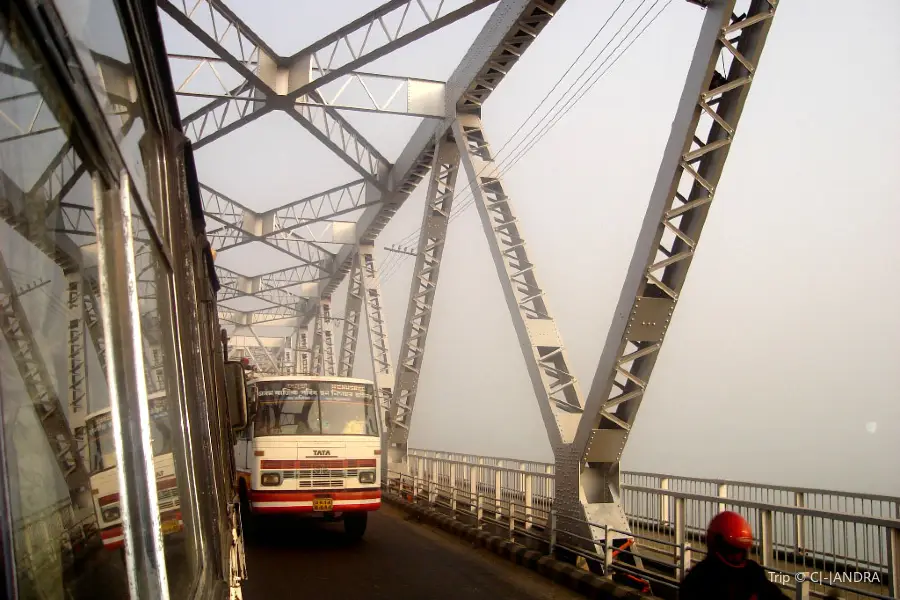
<point x="289" y="558"/>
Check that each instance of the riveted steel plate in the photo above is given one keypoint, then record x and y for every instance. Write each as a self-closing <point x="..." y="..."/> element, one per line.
<point x="407" y="379"/>
<point x="436" y="228"/>
<point x="343" y="232"/>
<point x="649" y="319"/>
<point x="426" y="98"/>
<point x="399" y="435"/>
<point x="542" y="332"/>
<point x="605" y="445"/>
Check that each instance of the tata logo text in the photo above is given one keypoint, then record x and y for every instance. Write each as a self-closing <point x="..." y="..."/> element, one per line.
<point x="321" y="452"/>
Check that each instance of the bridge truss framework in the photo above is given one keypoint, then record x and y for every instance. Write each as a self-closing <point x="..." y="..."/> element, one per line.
<point x="587" y="433"/>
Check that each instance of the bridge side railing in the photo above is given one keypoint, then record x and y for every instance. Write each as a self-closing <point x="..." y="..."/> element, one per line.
<point x="51" y="538"/>
<point x="794" y="529"/>
<point x="828" y="500"/>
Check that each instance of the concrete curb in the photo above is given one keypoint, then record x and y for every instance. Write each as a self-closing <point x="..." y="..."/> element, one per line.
<point x="583" y="582"/>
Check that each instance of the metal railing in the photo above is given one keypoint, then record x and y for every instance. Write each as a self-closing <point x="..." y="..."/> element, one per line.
<point x="839" y="540"/>
<point x="51" y="539"/>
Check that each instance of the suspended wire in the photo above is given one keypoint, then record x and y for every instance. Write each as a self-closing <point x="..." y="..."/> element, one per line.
<point x="412" y="236"/>
<point x="563" y="113"/>
<point x="508" y="163"/>
<point x="505" y="165"/>
<point x="391" y="266"/>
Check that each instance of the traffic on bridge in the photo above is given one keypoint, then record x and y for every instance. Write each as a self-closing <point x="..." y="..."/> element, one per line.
<point x="209" y="367"/>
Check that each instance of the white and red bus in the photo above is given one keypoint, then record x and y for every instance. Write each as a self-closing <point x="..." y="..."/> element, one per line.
<point x="313" y="447"/>
<point x="105" y="476"/>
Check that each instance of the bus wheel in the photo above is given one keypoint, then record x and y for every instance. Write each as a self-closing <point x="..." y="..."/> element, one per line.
<point x="244" y="497"/>
<point x="355" y="524"/>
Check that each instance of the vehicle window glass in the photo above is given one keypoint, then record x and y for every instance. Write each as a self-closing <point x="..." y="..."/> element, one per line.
<point x="287" y="409"/>
<point x="96" y="32"/>
<point x="315" y="408"/>
<point x="347" y="409"/>
<point x="52" y="355"/>
<point x="152" y="272"/>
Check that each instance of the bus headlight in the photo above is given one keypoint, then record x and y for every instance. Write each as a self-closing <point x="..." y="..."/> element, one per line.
<point x="367" y="477"/>
<point x="111" y="514"/>
<point x="271" y="478"/>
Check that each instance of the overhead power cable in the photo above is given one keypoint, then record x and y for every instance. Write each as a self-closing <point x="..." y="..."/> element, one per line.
<point x="391" y="266"/>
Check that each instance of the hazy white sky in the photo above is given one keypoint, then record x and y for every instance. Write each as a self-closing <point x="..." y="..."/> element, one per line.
<point x="783" y="352"/>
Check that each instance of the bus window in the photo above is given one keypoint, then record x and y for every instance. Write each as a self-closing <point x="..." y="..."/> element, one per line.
<point x="315" y="408"/>
<point x="347" y="409"/>
<point x="287" y="409"/>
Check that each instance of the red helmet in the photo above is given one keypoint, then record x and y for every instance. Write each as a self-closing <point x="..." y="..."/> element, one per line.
<point x="729" y="538"/>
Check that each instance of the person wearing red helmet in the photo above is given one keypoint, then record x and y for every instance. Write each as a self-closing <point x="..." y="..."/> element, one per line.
<point x="727" y="572"/>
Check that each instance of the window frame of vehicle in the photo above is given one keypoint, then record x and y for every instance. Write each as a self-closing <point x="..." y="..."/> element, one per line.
<point x="48" y="36"/>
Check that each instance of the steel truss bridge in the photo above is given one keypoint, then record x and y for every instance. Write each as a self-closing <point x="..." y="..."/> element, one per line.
<point x="448" y="153"/>
<point x="283" y="320"/>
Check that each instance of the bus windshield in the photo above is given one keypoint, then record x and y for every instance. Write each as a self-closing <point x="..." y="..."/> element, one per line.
<point x="101" y="448"/>
<point x="315" y="408"/>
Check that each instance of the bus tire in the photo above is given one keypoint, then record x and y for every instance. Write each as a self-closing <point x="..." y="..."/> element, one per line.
<point x="244" y="497"/>
<point x="355" y="524"/>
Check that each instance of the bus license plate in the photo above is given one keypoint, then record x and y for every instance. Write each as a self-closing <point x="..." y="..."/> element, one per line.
<point x="170" y="527"/>
<point x="323" y="504"/>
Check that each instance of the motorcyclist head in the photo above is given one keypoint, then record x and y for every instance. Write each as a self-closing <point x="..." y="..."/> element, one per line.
<point x="729" y="538"/>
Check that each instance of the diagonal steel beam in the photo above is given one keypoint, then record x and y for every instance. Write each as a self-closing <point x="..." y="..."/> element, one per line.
<point x="436" y="218"/>
<point x="265" y="87"/>
<point x="323" y="57"/>
<point x="508" y="33"/>
<point x="555" y="385"/>
<point x="705" y="123"/>
<point x="376" y="321"/>
<point x="352" y="313"/>
<point x="323" y="206"/>
<point x="241" y="225"/>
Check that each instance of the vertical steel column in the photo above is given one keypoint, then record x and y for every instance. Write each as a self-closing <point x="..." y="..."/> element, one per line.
<point x="303" y="353"/>
<point x="144" y="558"/>
<point x="327" y="327"/>
<point x="376" y="320"/>
<point x="352" y="312"/>
<point x="438" y="204"/>
<point x="317" y="367"/>
<point x="78" y="380"/>
<point x="704" y="127"/>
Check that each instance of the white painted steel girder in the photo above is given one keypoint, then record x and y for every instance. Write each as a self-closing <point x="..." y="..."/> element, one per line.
<point x="48" y="407"/>
<point x="376" y="321"/>
<point x="511" y="29"/>
<point x="78" y="379"/>
<point x="555" y="386"/>
<point x="325" y="333"/>
<point x="436" y="217"/>
<point x="352" y="312"/>
<point x="703" y="129"/>
<point x="303" y="353"/>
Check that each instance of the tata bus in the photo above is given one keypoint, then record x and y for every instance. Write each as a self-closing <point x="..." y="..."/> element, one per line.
<point x="312" y="448"/>
<point x="105" y="477"/>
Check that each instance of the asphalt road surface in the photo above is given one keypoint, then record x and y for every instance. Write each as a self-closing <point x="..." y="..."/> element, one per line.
<point x="397" y="559"/>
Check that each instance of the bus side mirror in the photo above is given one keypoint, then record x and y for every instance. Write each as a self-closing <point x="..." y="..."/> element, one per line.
<point x="236" y="390"/>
